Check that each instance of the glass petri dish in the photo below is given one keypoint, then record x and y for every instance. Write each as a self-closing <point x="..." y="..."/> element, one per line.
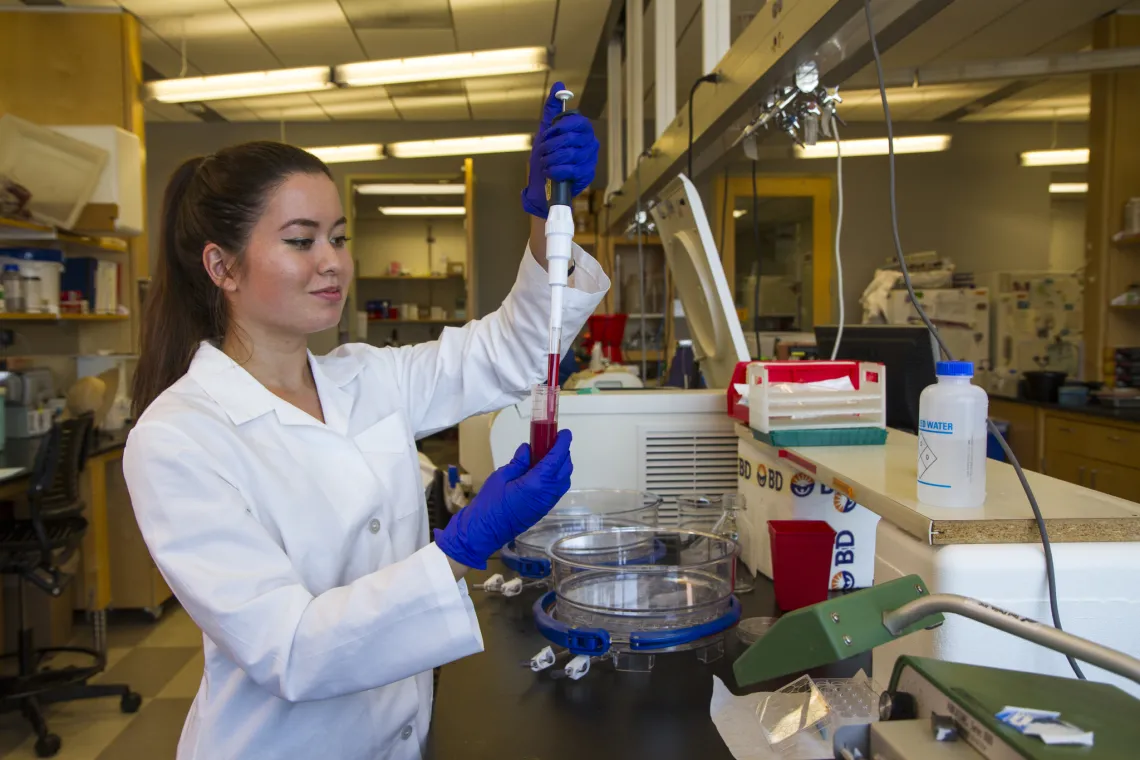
<point x="628" y="579"/>
<point x="750" y="630"/>
<point x="588" y="510"/>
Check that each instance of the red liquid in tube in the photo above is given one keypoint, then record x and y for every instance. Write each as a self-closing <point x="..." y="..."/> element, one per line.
<point x="544" y="416"/>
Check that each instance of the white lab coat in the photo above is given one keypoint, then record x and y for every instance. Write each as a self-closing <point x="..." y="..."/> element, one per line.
<point x="301" y="549"/>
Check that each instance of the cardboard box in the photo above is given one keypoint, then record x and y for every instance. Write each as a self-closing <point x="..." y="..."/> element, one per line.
<point x="774" y="490"/>
<point x="962" y="316"/>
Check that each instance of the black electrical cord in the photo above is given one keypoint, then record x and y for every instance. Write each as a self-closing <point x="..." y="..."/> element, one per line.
<point x="1050" y="573"/>
<point x="693" y="91"/>
<point x="756" y="268"/>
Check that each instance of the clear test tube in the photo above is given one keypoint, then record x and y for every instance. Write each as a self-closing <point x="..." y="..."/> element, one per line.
<point x="543" y="421"/>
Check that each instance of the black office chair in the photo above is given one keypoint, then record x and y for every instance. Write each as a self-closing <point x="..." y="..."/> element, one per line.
<point x="35" y="549"/>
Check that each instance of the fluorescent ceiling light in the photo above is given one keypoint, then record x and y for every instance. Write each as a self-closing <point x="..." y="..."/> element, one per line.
<point x="422" y="210"/>
<point x="339" y="154"/>
<point x="425" y="188"/>
<point x="245" y="85"/>
<point x="483" y="63"/>
<point x="738" y="212"/>
<point x="460" y="146"/>
<point x="876" y="146"/>
<point x="1072" y="188"/>
<point x="1070" y="157"/>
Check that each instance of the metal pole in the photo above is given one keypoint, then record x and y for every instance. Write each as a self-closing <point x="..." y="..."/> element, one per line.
<point x="665" y="59"/>
<point x="613" y="118"/>
<point x="635" y="82"/>
<point x="896" y="621"/>
<point x="716" y="36"/>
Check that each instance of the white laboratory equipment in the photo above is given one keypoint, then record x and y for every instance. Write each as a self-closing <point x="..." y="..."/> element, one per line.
<point x="633" y="593"/>
<point x="667" y="441"/>
<point x="952" y="439"/>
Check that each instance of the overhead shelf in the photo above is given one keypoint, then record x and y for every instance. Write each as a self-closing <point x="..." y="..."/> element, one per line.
<point x="20" y="317"/>
<point x="21" y="231"/>
<point x="1126" y="239"/>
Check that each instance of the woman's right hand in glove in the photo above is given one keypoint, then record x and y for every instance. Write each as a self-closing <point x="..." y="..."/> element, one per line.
<point x="511" y="501"/>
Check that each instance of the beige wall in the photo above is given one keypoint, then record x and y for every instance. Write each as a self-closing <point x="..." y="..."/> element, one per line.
<point x="1067" y="233"/>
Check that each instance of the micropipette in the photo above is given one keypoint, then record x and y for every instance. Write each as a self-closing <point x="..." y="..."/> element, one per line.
<point x="559" y="239"/>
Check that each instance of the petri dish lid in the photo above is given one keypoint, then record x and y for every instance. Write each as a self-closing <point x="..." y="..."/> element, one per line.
<point x="750" y="630"/>
<point x="609" y="502"/>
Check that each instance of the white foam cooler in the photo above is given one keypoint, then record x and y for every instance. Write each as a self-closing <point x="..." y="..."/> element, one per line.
<point x="1096" y="591"/>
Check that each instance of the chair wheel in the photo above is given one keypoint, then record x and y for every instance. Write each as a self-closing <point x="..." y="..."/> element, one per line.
<point x="48" y="746"/>
<point x="130" y="702"/>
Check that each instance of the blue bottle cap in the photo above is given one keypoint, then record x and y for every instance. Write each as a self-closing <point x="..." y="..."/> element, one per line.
<point x="954" y="369"/>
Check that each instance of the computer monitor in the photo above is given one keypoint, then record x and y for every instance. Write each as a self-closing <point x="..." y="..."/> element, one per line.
<point x="907" y="351"/>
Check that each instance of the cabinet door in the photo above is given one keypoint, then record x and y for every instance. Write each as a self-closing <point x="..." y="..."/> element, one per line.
<point x="1069" y="467"/>
<point x="1115" y="480"/>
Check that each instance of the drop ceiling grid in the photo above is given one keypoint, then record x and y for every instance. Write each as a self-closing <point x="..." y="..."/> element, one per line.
<point x="1018" y="33"/>
<point x="302" y="32"/>
<point x="575" y="37"/>
<point x="489" y="24"/>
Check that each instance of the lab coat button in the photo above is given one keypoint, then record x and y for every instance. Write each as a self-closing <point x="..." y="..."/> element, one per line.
<point x="406" y="733"/>
<point x="374" y="526"/>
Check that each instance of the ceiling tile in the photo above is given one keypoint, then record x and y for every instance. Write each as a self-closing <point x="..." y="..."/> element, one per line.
<point x="165" y="59"/>
<point x="307" y="111"/>
<point x="388" y="43"/>
<point x="515" y="103"/>
<point x="357" y="103"/>
<point x="479" y="23"/>
<point x="1027" y="28"/>
<point x="234" y="110"/>
<point x="168" y="112"/>
<point x="302" y="32"/>
<point x="218" y="40"/>
<point x="398" y="14"/>
<point x="579" y="25"/>
<point x="431" y="108"/>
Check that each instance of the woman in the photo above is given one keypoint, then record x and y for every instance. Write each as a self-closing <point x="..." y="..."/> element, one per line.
<point x="279" y="492"/>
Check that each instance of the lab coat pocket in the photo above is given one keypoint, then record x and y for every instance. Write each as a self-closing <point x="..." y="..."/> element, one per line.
<point x="387" y="447"/>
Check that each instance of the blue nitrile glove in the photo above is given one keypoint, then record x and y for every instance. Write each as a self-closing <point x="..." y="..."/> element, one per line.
<point x="564" y="152"/>
<point x="511" y="501"/>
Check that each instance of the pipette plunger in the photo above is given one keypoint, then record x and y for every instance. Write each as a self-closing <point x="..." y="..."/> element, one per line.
<point x="559" y="241"/>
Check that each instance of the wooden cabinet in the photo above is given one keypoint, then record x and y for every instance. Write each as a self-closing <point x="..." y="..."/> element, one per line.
<point x="1097" y="454"/>
<point x="1024" y="430"/>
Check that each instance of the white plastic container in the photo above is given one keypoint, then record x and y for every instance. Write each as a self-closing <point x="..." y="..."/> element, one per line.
<point x="41" y="269"/>
<point x="952" y="439"/>
<point x="120" y="182"/>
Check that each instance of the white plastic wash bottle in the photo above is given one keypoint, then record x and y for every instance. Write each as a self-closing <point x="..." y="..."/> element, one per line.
<point x="952" y="439"/>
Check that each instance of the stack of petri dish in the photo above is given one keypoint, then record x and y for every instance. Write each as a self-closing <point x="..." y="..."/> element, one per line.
<point x="640" y="590"/>
<point x="581" y="511"/>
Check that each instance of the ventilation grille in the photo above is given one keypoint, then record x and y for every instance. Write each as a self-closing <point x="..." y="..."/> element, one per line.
<point x="682" y="461"/>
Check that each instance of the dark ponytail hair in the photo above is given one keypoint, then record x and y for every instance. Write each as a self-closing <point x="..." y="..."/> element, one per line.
<point x="217" y="199"/>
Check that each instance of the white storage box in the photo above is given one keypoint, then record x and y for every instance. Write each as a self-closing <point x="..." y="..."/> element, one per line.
<point x="1096" y="590"/>
<point x="961" y="314"/>
<point x="774" y="490"/>
<point x="61" y="172"/>
<point x="41" y="269"/>
<point x="121" y="180"/>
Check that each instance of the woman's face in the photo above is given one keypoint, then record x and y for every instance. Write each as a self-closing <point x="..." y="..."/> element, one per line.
<point x="297" y="268"/>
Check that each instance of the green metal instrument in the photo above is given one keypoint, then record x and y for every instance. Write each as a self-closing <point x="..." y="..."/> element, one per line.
<point x="971" y="695"/>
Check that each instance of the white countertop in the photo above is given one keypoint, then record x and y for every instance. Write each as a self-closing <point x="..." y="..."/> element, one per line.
<point x="882" y="479"/>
